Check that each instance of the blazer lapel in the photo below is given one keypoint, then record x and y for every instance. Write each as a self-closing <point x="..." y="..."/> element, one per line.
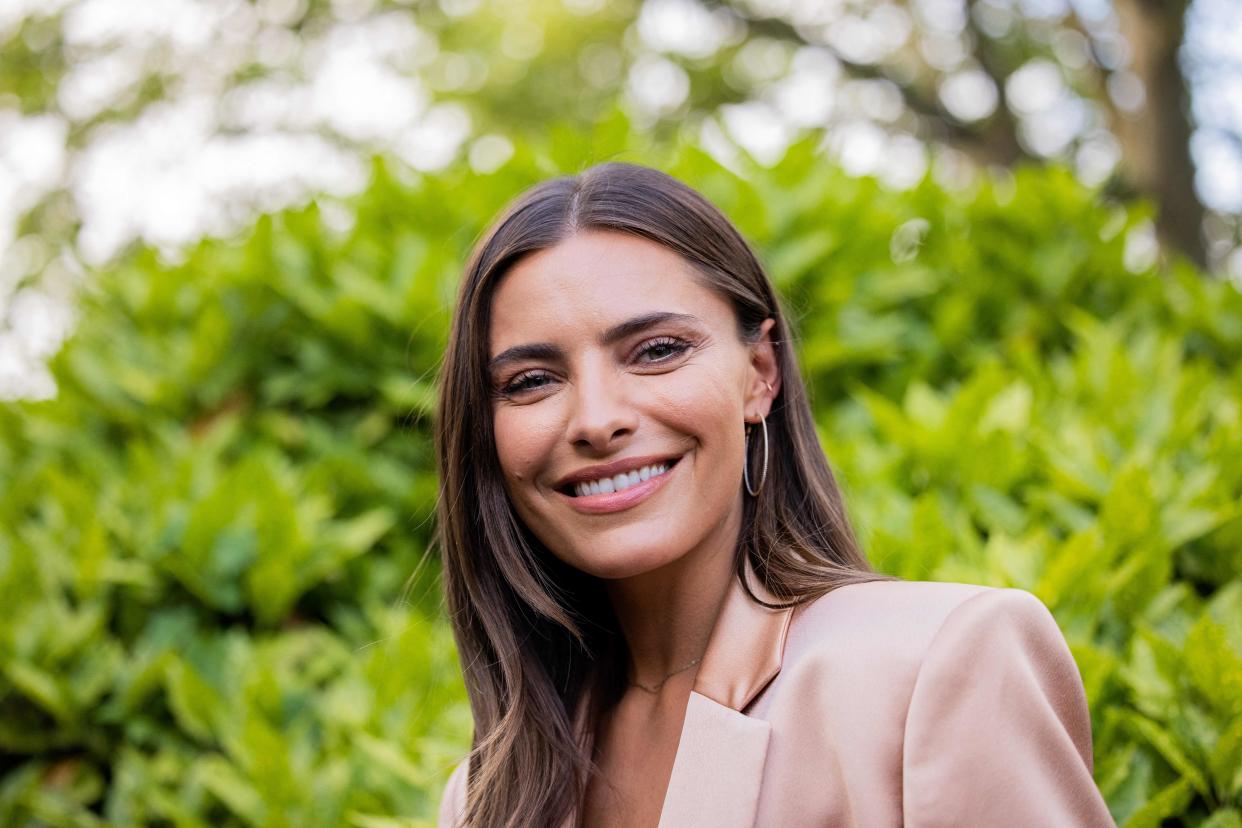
<point x="718" y="770"/>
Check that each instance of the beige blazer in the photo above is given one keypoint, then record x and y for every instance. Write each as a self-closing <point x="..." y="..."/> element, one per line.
<point x="899" y="703"/>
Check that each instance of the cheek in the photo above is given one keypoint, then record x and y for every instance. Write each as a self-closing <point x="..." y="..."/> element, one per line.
<point x="524" y="440"/>
<point x="702" y="402"/>
<point x="707" y="406"/>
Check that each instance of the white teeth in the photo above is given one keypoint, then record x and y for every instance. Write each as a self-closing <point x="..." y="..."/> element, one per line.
<point x="621" y="482"/>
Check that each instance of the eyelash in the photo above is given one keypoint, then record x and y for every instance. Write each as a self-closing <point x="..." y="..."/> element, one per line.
<point x="679" y="346"/>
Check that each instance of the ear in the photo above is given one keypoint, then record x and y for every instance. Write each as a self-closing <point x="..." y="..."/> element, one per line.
<point x="763" y="371"/>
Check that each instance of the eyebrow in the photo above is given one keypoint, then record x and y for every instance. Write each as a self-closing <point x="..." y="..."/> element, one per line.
<point x="548" y="351"/>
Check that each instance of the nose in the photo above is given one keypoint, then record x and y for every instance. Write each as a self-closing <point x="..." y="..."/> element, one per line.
<point x="602" y="414"/>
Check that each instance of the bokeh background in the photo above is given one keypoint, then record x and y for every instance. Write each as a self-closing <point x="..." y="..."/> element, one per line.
<point x="1007" y="231"/>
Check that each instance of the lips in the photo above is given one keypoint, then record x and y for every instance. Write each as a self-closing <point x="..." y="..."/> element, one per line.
<point x="618" y="501"/>
<point x="568" y="484"/>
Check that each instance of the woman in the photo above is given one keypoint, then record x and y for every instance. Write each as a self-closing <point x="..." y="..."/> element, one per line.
<point x="661" y="610"/>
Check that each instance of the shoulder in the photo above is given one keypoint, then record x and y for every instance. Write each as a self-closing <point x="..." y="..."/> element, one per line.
<point x="900" y="601"/>
<point x="956" y="648"/>
<point x="892" y="626"/>
<point x="453" y="800"/>
<point x="879" y="614"/>
<point x="998" y="700"/>
<point x="967" y="695"/>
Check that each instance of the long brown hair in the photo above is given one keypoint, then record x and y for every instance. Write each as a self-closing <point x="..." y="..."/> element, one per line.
<point x="534" y="635"/>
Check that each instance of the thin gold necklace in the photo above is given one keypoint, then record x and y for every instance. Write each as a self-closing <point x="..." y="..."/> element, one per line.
<point x="655" y="688"/>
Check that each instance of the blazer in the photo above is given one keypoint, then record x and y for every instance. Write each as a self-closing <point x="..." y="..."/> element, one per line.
<point x="890" y="703"/>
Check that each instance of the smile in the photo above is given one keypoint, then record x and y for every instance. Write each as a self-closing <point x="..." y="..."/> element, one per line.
<point x="620" y="482"/>
<point x="619" y="492"/>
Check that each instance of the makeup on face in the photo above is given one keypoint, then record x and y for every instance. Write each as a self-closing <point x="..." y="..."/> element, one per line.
<point x="618" y="394"/>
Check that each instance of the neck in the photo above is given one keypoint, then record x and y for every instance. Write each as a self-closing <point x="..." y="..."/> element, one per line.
<point x="667" y="614"/>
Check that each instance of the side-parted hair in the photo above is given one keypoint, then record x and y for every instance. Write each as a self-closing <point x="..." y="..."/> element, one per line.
<point x="536" y="637"/>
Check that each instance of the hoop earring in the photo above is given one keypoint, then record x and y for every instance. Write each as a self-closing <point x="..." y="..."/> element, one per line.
<point x="763" y="475"/>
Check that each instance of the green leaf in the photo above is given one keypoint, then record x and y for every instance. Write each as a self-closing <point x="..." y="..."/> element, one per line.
<point x="193" y="701"/>
<point x="1214" y="667"/>
<point x="1172" y="751"/>
<point x="1225" y="761"/>
<point x="232" y="789"/>
<point x="1224" y="818"/>
<point x="42" y="688"/>
<point x="1168" y="802"/>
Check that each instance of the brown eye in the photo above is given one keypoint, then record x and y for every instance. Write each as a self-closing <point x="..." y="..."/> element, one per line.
<point x="663" y="348"/>
<point x="525" y="381"/>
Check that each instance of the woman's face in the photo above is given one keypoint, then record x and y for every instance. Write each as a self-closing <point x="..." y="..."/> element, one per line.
<point x="608" y="357"/>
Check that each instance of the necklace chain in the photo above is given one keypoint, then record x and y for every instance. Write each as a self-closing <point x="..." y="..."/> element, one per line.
<point x="655" y="688"/>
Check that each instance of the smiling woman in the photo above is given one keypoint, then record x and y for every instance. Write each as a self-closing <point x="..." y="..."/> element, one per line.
<point x="644" y="366"/>
<point x="662" y="613"/>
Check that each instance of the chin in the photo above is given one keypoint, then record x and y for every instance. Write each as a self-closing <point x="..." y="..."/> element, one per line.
<point x="624" y="550"/>
<point x="615" y="560"/>
<point x="626" y="566"/>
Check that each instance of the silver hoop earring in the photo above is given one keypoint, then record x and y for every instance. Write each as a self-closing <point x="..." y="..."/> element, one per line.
<point x="763" y="475"/>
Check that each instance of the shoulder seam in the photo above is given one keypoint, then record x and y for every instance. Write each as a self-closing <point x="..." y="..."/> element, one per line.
<point x="918" y="673"/>
<point x="987" y="591"/>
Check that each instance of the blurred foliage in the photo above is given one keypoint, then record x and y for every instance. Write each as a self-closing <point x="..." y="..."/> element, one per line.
<point x="942" y="76"/>
<point x="206" y="538"/>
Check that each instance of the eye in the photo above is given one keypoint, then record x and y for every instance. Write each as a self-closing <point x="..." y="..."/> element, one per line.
<point x="525" y="381"/>
<point x="663" y="348"/>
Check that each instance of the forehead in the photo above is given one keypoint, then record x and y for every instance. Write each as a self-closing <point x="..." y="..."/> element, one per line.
<point x="592" y="281"/>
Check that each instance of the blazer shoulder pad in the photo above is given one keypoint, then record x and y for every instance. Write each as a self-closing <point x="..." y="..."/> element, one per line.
<point x="888" y="624"/>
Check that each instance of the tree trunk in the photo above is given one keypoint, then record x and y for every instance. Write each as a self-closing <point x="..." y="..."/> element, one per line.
<point x="1155" y="141"/>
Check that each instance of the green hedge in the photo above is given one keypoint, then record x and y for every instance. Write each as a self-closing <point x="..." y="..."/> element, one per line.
<point x="207" y="539"/>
